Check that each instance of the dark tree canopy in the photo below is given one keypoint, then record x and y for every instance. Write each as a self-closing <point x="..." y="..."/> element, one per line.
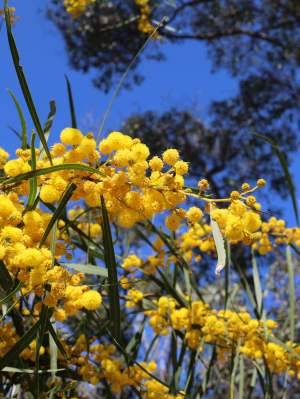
<point x="104" y="39"/>
<point x="245" y="36"/>
<point x="225" y="156"/>
<point x="257" y="41"/>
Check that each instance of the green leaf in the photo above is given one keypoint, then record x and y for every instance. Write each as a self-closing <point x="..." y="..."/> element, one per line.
<point x="50" y="118"/>
<point x="22" y="120"/>
<point x="15" y="132"/>
<point x="134" y="344"/>
<point x="113" y="288"/>
<point x="206" y="379"/>
<point x="33" y="186"/>
<point x="292" y="297"/>
<point x="71" y="103"/>
<point x="241" y="377"/>
<point x="57" y="341"/>
<point x="191" y="372"/>
<point x="87" y="269"/>
<point x="10" y="295"/>
<point x="257" y="285"/>
<point x="227" y="274"/>
<point x="220" y="246"/>
<point x="247" y="289"/>
<point x="45" y="171"/>
<point x="59" y="210"/>
<point x="28" y="371"/>
<point x="235" y="362"/>
<point x="118" y="88"/>
<point x="13" y="354"/>
<point x="6" y="280"/>
<point x="9" y="311"/>
<point x="283" y="162"/>
<point x="44" y="321"/>
<point x="23" y="82"/>
<point x="151" y="346"/>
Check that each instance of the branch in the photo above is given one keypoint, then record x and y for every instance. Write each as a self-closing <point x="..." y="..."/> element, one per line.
<point x="219" y="35"/>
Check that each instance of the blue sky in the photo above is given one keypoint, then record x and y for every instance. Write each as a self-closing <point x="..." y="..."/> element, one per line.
<point x="184" y="79"/>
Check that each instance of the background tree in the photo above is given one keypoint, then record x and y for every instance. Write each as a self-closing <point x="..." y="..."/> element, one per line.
<point x="257" y="42"/>
<point x="213" y="152"/>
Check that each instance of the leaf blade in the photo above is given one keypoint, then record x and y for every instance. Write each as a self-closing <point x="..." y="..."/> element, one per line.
<point x="50" y="169"/>
<point x="71" y="103"/>
<point x="110" y="261"/>
<point x="60" y="208"/>
<point x="22" y="120"/>
<point x="282" y="159"/>
<point x="23" y="82"/>
<point x="87" y="269"/>
<point x="9" y="358"/>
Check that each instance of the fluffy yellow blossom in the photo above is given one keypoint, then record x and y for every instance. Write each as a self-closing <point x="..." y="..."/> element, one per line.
<point x="181" y="167"/>
<point x="171" y="156"/>
<point x="91" y="300"/>
<point x="131" y="262"/>
<point x="203" y="184"/>
<point x="49" y="194"/>
<point x="172" y="222"/>
<point x="3" y="156"/>
<point x="16" y="167"/>
<point x="133" y="297"/>
<point x="156" y="164"/>
<point x="71" y="136"/>
<point x="194" y="214"/>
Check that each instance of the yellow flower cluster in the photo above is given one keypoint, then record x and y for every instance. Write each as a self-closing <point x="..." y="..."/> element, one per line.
<point x="197" y="237"/>
<point x="77" y="7"/>
<point x="228" y="330"/>
<point x="132" y="263"/>
<point x="276" y="229"/>
<point x="20" y="234"/>
<point x="133" y="188"/>
<point x="9" y="338"/>
<point x="144" y="23"/>
<point x="133" y="298"/>
<point x="97" y="362"/>
<point x="238" y="222"/>
<point x="79" y="216"/>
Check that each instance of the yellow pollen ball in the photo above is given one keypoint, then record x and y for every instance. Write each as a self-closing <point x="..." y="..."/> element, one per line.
<point x="139" y="152"/>
<point x="261" y="183"/>
<point x="172" y="222"/>
<point x="105" y="147"/>
<point x="11" y="234"/>
<point x="58" y="149"/>
<point x="194" y="214"/>
<point x="170" y="156"/>
<point x="156" y="164"/>
<point x="91" y="300"/>
<point x="49" y="194"/>
<point x="234" y="195"/>
<point x="203" y="185"/>
<point x="70" y="136"/>
<point x="6" y="206"/>
<point x="181" y="167"/>
<point x="88" y="145"/>
<point x="245" y="187"/>
<point x="13" y="167"/>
